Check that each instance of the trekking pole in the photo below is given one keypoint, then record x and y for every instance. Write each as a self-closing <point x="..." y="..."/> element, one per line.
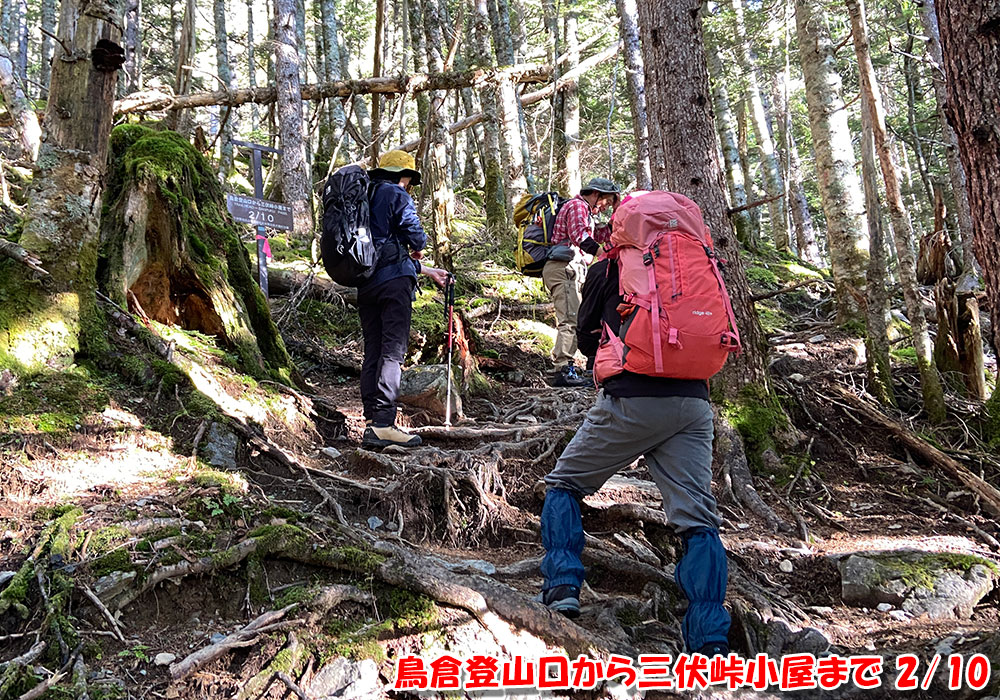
<point x="449" y="317"/>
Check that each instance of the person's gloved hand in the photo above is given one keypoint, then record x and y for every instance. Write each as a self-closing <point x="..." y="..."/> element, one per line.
<point x="589" y="246"/>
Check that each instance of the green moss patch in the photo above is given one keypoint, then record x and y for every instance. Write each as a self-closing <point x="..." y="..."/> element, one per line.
<point x="51" y="403"/>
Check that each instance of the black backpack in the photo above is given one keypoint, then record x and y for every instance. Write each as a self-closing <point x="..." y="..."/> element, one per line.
<point x="349" y="254"/>
<point x="535" y="217"/>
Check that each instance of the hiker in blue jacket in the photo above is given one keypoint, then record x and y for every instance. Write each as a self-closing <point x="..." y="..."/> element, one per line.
<point x="385" y="302"/>
<point x="670" y="422"/>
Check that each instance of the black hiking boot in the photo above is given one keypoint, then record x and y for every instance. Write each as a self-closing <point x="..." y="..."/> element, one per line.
<point x="561" y="599"/>
<point x="568" y="376"/>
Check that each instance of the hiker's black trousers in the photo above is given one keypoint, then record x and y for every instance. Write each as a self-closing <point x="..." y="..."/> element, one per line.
<point x="385" y="323"/>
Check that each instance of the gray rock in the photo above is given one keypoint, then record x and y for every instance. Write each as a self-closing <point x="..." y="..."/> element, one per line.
<point x="330" y="452"/>
<point x="216" y="637"/>
<point x="375" y="522"/>
<point x="342" y="678"/>
<point x="164" y="658"/>
<point x="110" y="586"/>
<point x="940" y="585"/>
<point x="899" y="615"/>
<point x="884" y="607"/>
<point x="467" y="566"/>
<point x="426" y="386"/>
<point x="797" y="378"/>
<point x="219" y="448"/>
<point x="786" y="566"/>
<point x="6" y="576"/>
<point x="817" y="338"/>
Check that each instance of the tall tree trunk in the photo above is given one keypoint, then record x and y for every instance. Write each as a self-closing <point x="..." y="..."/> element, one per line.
<point x="570" y="181"/>
<point x="437" y="153"/>
<point x="726" y="127"/>
<point x="225" y="72"/>
<point x="930" y="382"/>
<point x="678" y="95"/>
<point x="29" y="131"/>
<point x="636" y="90"/>
<point x="773" y="183"/>
<point x="419" y="55"/>
<point x="969" y="37"/>
<point x="805" y="233"/>
<point x="956" y="171"/>
<point x="252" y="64"/>
<point x="515" y="129"/>
<point x="6" y="12"/>
<point x="376" y="72"/>
<point x="839" y="187"/>
<point x="877" y="311"/>
<point x="187" y="48"/>
<point x="21" y="29"/>
<point x="295" y="181"/>
<point x="752" y="240"/>
<point x="49" y="10"/>
<point x="43" y="324"/>
<point x="497" y="222"/>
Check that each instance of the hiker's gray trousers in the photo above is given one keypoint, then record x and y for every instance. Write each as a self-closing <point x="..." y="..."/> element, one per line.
<point x="675" y="435"/>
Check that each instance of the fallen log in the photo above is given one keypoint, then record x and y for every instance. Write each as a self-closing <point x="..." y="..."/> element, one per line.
<point x="285" y="282"/>
<point x="989" y="496"/>
<point x="155" y="100"/>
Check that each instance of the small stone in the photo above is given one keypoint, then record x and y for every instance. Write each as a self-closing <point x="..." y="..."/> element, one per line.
<point x="164" y="658"/>
<point x="391" y="527"/>
<point x="895" y="526"/>
<point x="883" y="607"/>
<point x="797" y="378"/>
<point x="899" y="615"/>
<point x="375" y="522"/>
<point x="330" y="452"/>
<point x="817" y="338"/>
<point x="142" y="672"/>
<point x="6" y="576"/>
<point x="216" y="637"/>
<point x="743" y="526"/>
<point x="786" y="566"/>
<point x="141" y="502"/>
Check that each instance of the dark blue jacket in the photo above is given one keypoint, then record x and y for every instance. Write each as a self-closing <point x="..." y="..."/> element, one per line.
<point x="396" y="230"/>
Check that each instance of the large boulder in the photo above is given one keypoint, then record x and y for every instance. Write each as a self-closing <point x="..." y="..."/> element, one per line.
<point x="343" y="678"/>
<point x="426" y="386"/>
<point x="942" y="585"/>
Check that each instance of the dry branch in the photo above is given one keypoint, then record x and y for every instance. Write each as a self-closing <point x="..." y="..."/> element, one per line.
<point x="154" y="100"/>
<point x="16" y="252"/>
<point x="246" y="636"/>
<point x="988" y="495"/>
<point x="783" y="290"/>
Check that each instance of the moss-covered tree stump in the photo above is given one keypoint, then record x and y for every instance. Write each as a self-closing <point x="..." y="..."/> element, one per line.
<point x="169" y="248"/>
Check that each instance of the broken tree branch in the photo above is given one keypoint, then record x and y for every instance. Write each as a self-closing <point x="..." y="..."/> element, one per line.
<point x="15" y="252"/>
<point x="154" y="100"/>
<point x="751" y="205"/>
<point x="989" y="496"/>
<point x="783" y="290"/>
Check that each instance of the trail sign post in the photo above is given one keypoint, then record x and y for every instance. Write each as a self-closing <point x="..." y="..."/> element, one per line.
<point x="259" y="211"/>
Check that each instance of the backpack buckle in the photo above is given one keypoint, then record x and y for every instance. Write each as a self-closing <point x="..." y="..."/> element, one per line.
<point x="647" y="258"/>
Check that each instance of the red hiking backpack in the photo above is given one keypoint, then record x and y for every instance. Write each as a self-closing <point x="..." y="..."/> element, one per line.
<point x="668" y="271"/>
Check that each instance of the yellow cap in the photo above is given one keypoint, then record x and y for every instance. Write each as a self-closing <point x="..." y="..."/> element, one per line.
<point x="399" y="162"/>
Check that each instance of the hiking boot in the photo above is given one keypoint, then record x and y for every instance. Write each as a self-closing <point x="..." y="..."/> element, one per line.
<point x="563" y="599"/>
<point x="568" y="376"/>
<point x="714" y="649"/>
<point x="386" y="435"/>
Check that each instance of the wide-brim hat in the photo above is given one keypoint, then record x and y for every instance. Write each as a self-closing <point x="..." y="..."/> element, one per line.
<point x="398" y="163"/>
<point x="602" y="185"/>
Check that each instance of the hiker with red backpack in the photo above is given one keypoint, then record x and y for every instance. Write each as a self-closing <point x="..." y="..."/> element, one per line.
<point x="657" y="318"/>
<point x="386" y="293"/>
<point x="575" y="240"/>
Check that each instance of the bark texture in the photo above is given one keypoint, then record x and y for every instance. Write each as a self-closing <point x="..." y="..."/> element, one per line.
<point x="225" y="72"/>
<point x="774" y="184"/>
<point x="956" y="171"/>
<point x="839" y="186"/>
<point x="877" y="311"/>
<point x="43" y="324"/>
<point x="497" y="220"/>
<point x="48" y="21"/>
<point x="295" y="185"/>
<point x="437" y="154"/>
<point x="930" y="382"/>
<point x="28" y="129"/>
<point x="678" y="94"/>
<point x="636" y="90"/>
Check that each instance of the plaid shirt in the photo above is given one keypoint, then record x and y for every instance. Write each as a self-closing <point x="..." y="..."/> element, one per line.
<point x="574" y="224"/>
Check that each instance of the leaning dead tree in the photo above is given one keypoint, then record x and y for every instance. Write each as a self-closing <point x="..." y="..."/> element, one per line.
<point x="153" y="101"/>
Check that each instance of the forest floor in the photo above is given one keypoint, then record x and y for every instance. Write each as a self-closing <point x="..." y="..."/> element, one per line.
<point x="133" y="491"/>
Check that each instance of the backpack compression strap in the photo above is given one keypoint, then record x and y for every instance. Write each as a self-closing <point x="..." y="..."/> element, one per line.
<point x="730" y="340"/>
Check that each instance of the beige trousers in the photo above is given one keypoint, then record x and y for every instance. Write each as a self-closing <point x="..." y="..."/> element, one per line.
<point x="564" y="280"/>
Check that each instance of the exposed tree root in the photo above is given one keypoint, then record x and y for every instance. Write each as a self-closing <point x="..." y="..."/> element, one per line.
<point x="731" y="455"/>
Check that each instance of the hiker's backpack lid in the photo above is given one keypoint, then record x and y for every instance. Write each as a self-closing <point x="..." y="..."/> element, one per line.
<point x="644" y="214"/>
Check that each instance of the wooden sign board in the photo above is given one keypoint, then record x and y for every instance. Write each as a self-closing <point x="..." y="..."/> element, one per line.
<point x="259" y="212"/>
